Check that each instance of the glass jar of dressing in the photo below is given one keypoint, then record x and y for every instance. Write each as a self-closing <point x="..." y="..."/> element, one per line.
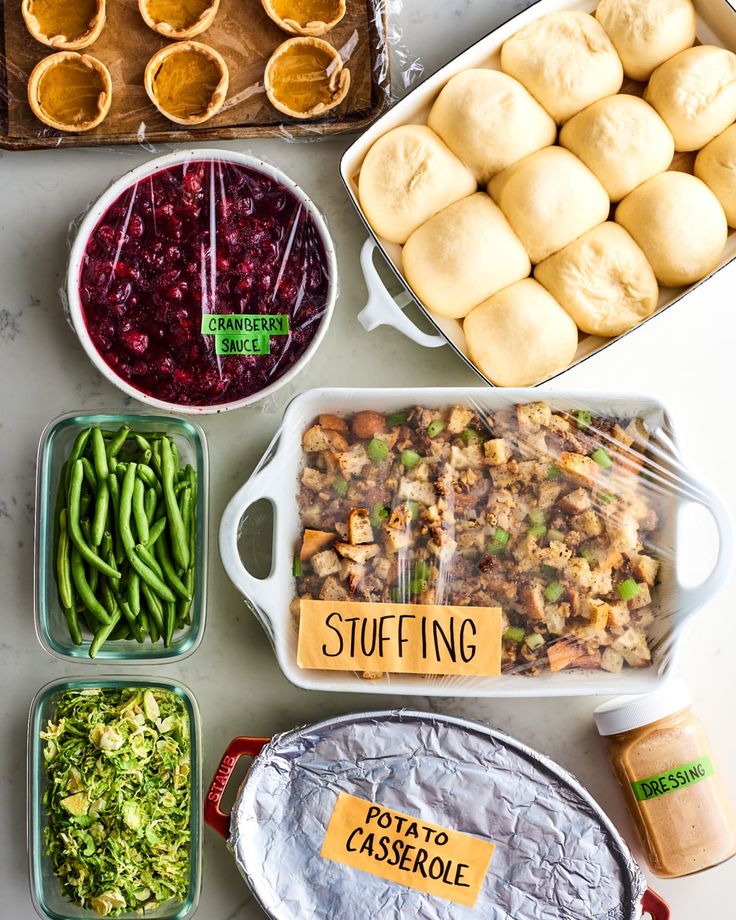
<point x="661" y="756"/>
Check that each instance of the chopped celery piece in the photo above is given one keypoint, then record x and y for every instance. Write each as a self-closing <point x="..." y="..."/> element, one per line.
<point x="377" y="450"/>
<point x="410" y="458"/>
<point x="628" y="589"/>
<point x="296" y="567"/>
<point x="421" y="569"/>
<point x="340" y="485"/>
<point x="583" y="418"/>
<point x="379" y="513"/>
<point x="470" y="434"/>
<point x="557" y="535"/>
<point x="589" y="555"/>
<point x="536" y="516"/>
<point x="396" y="419"/>
<point x="534" y="640"/>
<point x="513" y="634"/>
<point x="537" y="530"/>
<point x="498" y="541"/>
<point x="554" y="591"/>
<point x="553" y="472"/>
<point x="417" y="585"/>
<point x="435" y="427"/>
<point x="605" y="498"/>
<point x="602" y="458"/>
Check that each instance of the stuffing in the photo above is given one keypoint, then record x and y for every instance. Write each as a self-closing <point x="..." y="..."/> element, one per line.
<point x="497" y="451"/>
<point x="359" y="526"/>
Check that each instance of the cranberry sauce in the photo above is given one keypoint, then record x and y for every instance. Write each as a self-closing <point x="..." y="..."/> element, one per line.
<point x="204" y="236"/>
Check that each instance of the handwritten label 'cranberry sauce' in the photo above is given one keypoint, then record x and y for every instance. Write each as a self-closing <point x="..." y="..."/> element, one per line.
<point x="203" y="237"/>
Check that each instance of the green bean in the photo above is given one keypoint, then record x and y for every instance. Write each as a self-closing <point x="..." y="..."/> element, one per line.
<point x="156" y="458"/>
<point x="150" y="478"/>
<point x="90" y="623"/>
<point x="60" y="498"/>
<point x="149" y="503"/>
<point x="102" y="500"/>
<point x="143" y="623"/>
<point x="126" y="507"/>
<point x="139" y="510"/>
<point x="134" y="592"/>
<point x="75" y="531"/>
<point x="174" y="451"/>
<point x="143" y="443"/>
<point x="94" y="575"/>
<point x="117" y="441"/>
<point x="106" y="544"/>
<point x="70" y="614"/>
<point x="150" y="578"/>
<point x="179" y="542"/>
<point x="185" y="506"/>
<point x="84" y="590"/>
<point x="149" y="559"/>
<point x="63" y="564"/>
<point x="107" y="598"/>
<point x="102" y="635"/>
<point x="153" y="630"/>
<point x="169" y="622"/>
<point x="155" y="610"/>
<point x="78" y="447"/>
<point x="164" y="557"/>
<point x="114" y="486"/>
<point x="89" y="474"/>
<point x="124" y="606"/>
<point x="121" y="631"/>
<point x="155" y="532"/>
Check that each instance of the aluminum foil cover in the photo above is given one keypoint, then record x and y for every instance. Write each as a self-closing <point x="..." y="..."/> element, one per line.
<point x="557" y="856"/>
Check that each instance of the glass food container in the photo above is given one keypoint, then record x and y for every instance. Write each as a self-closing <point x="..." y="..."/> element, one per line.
<point x="661" y="755"/>
<point x="54" y="447"/>
<point x="46" y="892"/>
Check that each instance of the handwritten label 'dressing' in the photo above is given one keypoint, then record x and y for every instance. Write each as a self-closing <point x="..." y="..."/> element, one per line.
<point x="400" y="638"/>
<point x="406" y="850"/>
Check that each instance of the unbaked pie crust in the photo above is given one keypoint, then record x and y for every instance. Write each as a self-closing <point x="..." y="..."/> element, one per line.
<point x="305" y="77"/>
<point x="187" y="82"/>
<point x="70" y="91"/>
<point x="179" y="19"/>
<point x="305" y="17"/>
<point x="68" y="25"/>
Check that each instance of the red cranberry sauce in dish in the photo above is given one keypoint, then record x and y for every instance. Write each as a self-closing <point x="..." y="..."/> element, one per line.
<point x="201" y="237"/>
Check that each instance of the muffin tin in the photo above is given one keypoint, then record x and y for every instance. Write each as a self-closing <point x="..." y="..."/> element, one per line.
<point x="716" y="24"/>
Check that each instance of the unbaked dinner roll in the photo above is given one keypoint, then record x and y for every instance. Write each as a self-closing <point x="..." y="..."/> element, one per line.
<point x="716" y="166"/>
<point x="520" y="335"/>
<point x="490" y="121"/>
<point x="646" y="33"/>
<point x="565" y="60"/>
<point x="695" y="93"/>
<point x="549" y="198"/>
<point x="603" y="280"/>
<point x="621" y="140"/>
<point x="462" y="255"/>
<point x="407" y="176"/>
<point x="679" y="224"/>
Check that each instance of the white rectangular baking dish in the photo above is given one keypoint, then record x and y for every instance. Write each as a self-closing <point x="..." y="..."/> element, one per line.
<point x="277" y="480"/>
<point x="716" y="25"/>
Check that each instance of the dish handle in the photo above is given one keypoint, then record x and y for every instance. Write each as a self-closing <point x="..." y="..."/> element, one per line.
<point x="256" y="590"/>
<point x="694" y="598"/>
<point x="383" y="309"/>
<point x="656" y="907"/>
<point x="238" y="747"/>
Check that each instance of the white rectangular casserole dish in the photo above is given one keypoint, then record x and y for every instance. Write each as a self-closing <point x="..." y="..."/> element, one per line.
<point x="716" y="24"/>
<point x="277" y="480"/>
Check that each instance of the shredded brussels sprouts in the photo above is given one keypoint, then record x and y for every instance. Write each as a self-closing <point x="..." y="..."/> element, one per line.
<point x="118" y="798"/>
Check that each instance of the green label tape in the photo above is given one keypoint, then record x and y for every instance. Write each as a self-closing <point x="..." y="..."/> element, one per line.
<point x="681" y="777"/>
<point x="239" y="324"/>
<point x="245" y="344"/>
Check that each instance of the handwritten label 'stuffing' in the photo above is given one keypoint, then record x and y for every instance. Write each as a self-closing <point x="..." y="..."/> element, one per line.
<point x="406" y="850"/>
<point x="400" y="638"/>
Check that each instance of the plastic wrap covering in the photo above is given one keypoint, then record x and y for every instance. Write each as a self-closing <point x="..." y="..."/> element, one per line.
<point x="367" y="39"/>
<point x="201" y="280"/>
<point x="556" y="855"/>
<point x="560" y="513"/>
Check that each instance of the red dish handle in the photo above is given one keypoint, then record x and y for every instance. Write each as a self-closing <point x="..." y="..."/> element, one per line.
<point x="238" y="747"/>
<point x="654" y="905"/>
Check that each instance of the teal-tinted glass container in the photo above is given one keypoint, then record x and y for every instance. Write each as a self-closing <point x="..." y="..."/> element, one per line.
<point x="54" y="448"/>
<point x="46" y="892"/>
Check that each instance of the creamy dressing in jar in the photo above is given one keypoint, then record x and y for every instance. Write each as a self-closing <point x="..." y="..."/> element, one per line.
<point x="661" y="755"/>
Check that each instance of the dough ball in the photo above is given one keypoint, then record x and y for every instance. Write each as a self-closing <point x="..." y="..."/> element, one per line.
<point x="621" y="140"/>
<point x="565" y="60"/>
<point x="603" y="280"/>
<point x="463" y="255"/>
<point x="646" y="33"/>
<point x="490" y="121"/>
<point x="549" y="198"/>
<point x="716" y="166"/>
<point x="695" y="93"/>
<point x="679" y="224"/>
<point x="520" y="336"/>
<point x="407" y="176"/>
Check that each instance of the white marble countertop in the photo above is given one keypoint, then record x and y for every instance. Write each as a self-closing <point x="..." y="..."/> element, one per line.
<point x="686" y="357"/>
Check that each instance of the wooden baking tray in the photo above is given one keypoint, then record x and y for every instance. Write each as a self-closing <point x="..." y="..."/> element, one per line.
<point x="242" y="33"/>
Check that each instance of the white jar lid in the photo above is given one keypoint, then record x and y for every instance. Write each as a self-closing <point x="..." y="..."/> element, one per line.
<point x="625" y="713"/>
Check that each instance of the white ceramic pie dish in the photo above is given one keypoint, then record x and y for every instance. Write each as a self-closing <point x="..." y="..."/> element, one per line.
<point x="109" y="196"/>
<point x="716" y="25"/>
<point x="277" y="480"/>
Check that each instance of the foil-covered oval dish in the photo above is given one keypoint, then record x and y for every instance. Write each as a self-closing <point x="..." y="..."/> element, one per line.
<point x="349" y="782"/>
